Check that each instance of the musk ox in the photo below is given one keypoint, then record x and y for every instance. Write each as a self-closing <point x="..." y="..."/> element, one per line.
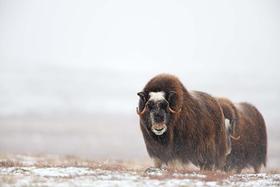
<point x="231" y="118"/>
<point x="181" y="126"/>
<point x="248" y="137"/>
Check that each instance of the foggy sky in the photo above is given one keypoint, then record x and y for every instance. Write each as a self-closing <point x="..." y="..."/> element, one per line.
<point x="94" y="56"/>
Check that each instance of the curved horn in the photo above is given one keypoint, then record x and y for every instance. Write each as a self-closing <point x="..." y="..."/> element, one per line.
<point x="235" y="138"/>
<point x="142" y="112"/>
<point x="173" y="111"/>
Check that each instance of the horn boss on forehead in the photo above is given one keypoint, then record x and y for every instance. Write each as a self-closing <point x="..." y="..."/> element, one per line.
<point x="169" y="98"/>
<point x="157" y="96"/>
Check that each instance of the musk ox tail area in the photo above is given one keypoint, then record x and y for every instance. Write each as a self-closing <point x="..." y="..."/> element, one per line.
<point x="259" y="124"/>
<point x="246" y="134"/>
<point x="231" y="120"/>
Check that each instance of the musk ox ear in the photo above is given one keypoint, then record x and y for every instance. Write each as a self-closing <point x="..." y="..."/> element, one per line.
<point x="142" y="96"/>
<point x="171" y="98"/>
<point x="142" y="101"/>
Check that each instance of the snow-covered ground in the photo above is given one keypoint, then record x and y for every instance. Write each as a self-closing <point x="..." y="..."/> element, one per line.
<point x="58" y="171"/>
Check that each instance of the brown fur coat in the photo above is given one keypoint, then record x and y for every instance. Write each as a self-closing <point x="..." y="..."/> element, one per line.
<point x="196" y="133"/>
<point x="250" y="149"/>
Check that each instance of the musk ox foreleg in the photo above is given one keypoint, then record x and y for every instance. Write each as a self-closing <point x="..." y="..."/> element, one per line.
<point x="157" y="162"/>
<point x="158" y="166"/>
<point x="209" y="167"/>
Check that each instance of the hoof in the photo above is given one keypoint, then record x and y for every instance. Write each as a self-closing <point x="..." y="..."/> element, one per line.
<point x="155" y="171"/>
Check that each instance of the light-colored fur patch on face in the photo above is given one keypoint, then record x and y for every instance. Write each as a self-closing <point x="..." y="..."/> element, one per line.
<point x="157" y="96"/>
<point x="160" y="132"/>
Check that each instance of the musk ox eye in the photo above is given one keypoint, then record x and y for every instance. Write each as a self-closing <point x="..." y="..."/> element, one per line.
<point x="150" y="105"/>
<point x="163" y="105"/>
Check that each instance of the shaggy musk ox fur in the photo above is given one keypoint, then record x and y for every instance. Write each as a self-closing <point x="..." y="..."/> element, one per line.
<point x="181" y="126"/>
<point x="250" y="148"/>
<point x="231" y="118"/>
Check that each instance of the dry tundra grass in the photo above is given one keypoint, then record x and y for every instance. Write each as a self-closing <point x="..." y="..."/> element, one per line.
<point x="47" y="170"/>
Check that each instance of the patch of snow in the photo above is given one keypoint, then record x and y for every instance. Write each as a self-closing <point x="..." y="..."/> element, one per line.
<point x="26" y="160"/>
<point x="62" y="172"/>
<point x="258" y="180"/>
<point x="195" y="175"/>
<point x="14" y="170"/>
<point x="82" y="176"/>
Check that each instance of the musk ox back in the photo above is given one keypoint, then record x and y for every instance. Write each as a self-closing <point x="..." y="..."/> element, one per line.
<point x="181" y="126"/>
<point x="250" y="148"/>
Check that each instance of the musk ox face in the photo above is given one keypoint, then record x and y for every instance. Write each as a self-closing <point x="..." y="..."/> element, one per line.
<point x="155" y="110"/>
<point x="157" y="107"/>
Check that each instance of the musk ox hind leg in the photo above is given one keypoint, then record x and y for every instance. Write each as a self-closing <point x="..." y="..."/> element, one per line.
<point x="257" y="168"/>
<point x="227" y="167"/>
<point x="238" y="170"/>
<point x="207" y="167"/>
